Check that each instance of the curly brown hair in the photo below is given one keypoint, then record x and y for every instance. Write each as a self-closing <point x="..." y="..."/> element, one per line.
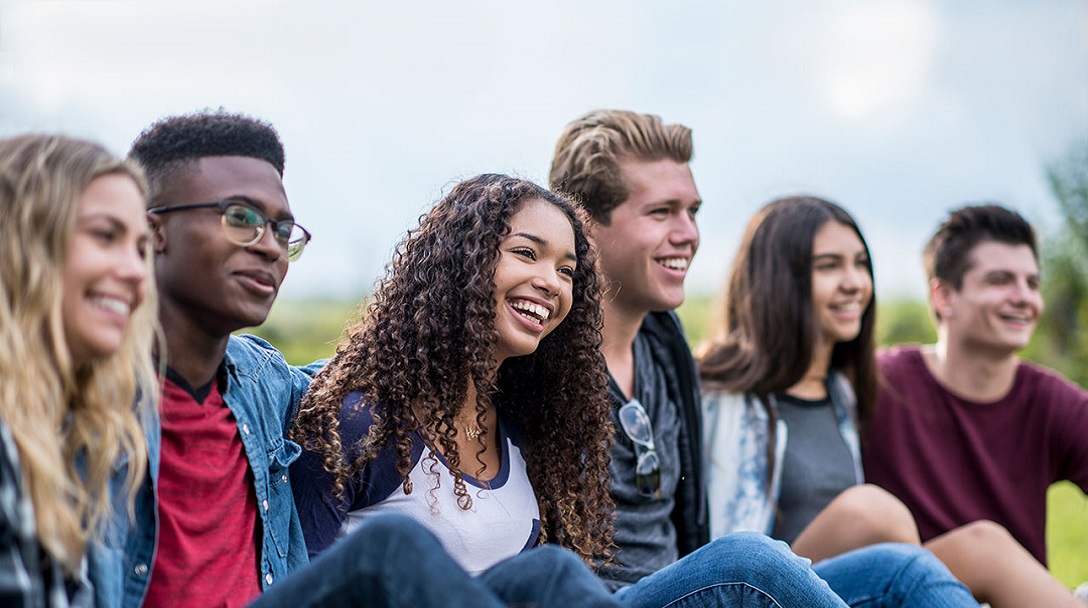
<point x="429" y="331"/>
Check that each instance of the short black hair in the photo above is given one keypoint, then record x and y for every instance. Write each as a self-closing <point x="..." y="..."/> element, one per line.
<point x="947" y="254"/>
<point x="175" y="140"/>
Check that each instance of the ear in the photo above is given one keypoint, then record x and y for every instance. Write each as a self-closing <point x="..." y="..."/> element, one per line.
<point x="158" y="232"/>
<point x="589" y="226"/>
<point x="940" y="298"/>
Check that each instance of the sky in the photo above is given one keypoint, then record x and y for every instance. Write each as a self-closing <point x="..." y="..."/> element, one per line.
<point x="899" y="110"/>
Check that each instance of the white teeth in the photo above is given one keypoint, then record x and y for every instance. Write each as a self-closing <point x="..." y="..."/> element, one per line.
<point x="537" y="312"/>
<point x="1017" y="318"/>
<point x="117" y="306"/>
<point x="674" y="263"/>
<point x="848" y="307"/>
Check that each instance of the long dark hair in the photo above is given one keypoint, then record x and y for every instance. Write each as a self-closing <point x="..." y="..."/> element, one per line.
<point x="766" y="343"/>
<point x="429" y="331"/>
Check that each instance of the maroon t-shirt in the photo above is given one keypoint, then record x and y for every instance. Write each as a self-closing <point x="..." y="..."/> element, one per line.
<point x="954" y="461"/>
<point x="207" y="552"/>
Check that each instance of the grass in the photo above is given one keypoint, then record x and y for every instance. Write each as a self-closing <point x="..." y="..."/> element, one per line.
<point x="1067" y="533"/>
<point x="309" y="330"/>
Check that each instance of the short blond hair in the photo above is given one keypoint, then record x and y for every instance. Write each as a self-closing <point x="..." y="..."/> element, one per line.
<point x="586" y="164"/>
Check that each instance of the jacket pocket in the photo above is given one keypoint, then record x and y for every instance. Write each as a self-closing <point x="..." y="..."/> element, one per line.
<point x="281" y="502"/>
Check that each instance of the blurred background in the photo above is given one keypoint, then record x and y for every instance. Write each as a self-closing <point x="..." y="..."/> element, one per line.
<point x="897" y="109"/>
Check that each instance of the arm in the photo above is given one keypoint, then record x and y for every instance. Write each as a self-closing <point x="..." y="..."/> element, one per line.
<point x="320" y="514"/>
<point x="1071" y="434"/>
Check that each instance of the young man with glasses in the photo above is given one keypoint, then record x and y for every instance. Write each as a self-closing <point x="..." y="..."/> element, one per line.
<point x="216" y="522"/>
<point x="630" y="171"/>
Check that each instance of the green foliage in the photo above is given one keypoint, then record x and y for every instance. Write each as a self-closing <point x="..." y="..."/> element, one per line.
<point x="697" y="315"/>
<point x="305" y="331"/>
<point x="1067" y="533"/>
<point x="903" y="321"/>
<point x="1062" y="337"/>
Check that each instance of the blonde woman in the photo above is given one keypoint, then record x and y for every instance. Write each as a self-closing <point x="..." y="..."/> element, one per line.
<point x="76" y="330"/>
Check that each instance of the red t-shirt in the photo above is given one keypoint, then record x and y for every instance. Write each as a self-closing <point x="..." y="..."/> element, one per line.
<point x="954" y="461"/>
<point x="207" y="553"/>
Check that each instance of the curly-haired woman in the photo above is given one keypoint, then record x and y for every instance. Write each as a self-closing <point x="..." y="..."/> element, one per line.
<point x="472" y="395"/>
<point x="76" y="330"/>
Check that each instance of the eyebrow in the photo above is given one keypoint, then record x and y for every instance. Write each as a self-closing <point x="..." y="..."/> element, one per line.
<point x="263" y="208"/>
<point x="838" y="256"/>
<point x="114" y="222"/>
<point x="539" y="241"/>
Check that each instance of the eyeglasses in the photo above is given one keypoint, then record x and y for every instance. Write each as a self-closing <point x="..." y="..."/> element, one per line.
<point x="244" y="225"/>
<point x="636" y="424"/>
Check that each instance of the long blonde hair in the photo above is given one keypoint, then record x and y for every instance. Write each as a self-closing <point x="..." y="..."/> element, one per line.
<point x="58" y="411"/>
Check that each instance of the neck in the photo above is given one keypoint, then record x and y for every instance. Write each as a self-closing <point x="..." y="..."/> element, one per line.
<point x="812" y="385"/>
<point x="466" y="417"/>
<point x="977" y="374"/>
<point x="192" y="352"/>
<point x="619" y="331"/>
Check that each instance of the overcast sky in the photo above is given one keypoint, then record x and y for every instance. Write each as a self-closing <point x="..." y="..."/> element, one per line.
<point x="898" y="110"/>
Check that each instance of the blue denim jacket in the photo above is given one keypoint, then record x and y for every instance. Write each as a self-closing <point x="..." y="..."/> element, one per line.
<point x="262" y="391"/>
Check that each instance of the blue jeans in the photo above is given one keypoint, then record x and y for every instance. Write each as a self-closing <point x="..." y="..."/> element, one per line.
<point x="393" y="562"/>
<point x="740" y="570"/>
<point x="893" y="575"/>
<point x="745" y="569"/>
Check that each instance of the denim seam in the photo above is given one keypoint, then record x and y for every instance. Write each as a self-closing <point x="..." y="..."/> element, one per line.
<point x="717" y="585"/>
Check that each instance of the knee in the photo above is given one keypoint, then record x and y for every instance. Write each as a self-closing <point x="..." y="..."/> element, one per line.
<point x="750" y="550"/>
<point x="877" y="513"/>
<point x="982" y="537"/>
<point x="985" y="532"/>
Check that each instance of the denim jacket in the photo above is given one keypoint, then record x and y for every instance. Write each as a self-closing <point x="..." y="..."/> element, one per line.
<point x="263" y="392"/>
<point x="735" y="448"/>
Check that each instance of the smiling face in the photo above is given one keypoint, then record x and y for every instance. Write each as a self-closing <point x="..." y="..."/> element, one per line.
<point x="650" y="239"/>
<point x="842" y="283"/>
<point x="998" y="303"/>
<point x="204" y="279"/>
<point x="105" y="270"/>
<point x="533" y="278"/>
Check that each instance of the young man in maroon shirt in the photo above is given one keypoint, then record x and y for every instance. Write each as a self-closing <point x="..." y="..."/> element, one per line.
<point x="965" y="432"/>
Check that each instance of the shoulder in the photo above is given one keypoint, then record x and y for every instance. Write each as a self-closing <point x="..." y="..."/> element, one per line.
<point x="901" y="365"/>
<point x="719" y="399"/>
<point x="251" y="355"/>
<point x="898" y="357"/>
<point x="1051" y="385"/>
<point x="356" y="418"/>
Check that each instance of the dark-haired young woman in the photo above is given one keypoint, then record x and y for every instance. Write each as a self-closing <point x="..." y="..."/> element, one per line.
<point x="788" y="383"/>
<point x="471" y="396"/>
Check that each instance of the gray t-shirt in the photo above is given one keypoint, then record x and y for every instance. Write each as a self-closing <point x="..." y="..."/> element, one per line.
<point x="817" y="465"/>
<point x="644" y="530"/>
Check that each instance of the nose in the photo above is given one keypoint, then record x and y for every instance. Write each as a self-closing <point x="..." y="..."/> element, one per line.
<point x="854" y="279"/>
<point x="132" y="267"/>
<point x="267" y="245"/>
<point x="548" y="282"/>
<point x="685" y="231"/>
<point x="1023" y="293"/>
